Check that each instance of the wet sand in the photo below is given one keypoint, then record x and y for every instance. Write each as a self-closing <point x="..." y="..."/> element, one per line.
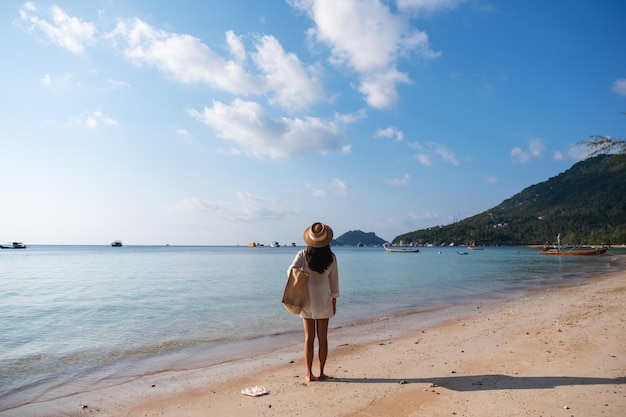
<point x="550" y="352"/>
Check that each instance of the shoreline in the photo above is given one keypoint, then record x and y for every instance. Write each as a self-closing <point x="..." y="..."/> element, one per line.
<point x="550" y="351"/>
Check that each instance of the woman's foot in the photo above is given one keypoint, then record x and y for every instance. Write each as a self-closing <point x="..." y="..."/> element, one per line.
<point x="321" y="377"/>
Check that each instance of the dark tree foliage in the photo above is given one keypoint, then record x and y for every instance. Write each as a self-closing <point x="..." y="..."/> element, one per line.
<point x="586" y="204"/>
<point x="605" y="145"/>
<point x="600" y="144"/>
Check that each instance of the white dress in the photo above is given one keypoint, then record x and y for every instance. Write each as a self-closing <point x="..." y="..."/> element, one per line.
<point x="322" y="288"/>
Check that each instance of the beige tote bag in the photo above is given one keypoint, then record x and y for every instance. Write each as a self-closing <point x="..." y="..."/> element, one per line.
<point x="296" y="290"/>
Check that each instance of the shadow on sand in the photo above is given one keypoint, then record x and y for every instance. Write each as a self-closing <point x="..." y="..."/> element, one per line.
<point x="491" y="382"/>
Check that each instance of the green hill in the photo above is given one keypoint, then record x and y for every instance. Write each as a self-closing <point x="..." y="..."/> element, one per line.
<point x="586" y="204"/>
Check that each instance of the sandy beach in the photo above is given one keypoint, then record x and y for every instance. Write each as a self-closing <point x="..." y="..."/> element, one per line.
<point x="551" y="352"/>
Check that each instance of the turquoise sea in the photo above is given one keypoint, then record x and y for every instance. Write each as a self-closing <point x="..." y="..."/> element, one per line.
<point x="79" y="318"/>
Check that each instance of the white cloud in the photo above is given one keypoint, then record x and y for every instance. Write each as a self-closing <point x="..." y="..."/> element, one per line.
<point x="247" y="207"/>
<point x="424" y="159"/>
<point x="270" y="72"/>
<point x="291" y="84"/>
<point x="399" y="181"/>
<point x="535" y="150"/>
<point x="58" y="83"/>
<point x="578" y="152"/>
<point x="116" y="84"/>
<point x="183" y="57"/>
<point x="619" y="86"/>
<point x="390" y="132"/>
<point x="444" y="152"/>
<point x="519" y="155"/>
<point x="92" y="120"/>
<point x="339" y="187"/>
<point x="68" y="32"/>
<point x="380" y="87"/>
<point x="428" y="5"/>
<point x="317" y="191"/>
<point x="248" y="125"/>
<point x="429" y="150"/>
<point x="186" y="59"/>
<point x="336" y="187"/>
<point x="47" y="80"/>
<point x="558" y="156"/>
<point x="536" y="147"/>
<point x="349" y="118"/>
<point x="235" y="46"/>
<point x="491" y="180"/>
<point x="367" y="37"/>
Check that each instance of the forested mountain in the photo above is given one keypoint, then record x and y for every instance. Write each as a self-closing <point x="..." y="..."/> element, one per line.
<point x="586" y="204"/>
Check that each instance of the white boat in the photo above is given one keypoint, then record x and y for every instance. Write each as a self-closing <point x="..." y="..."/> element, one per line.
<point x="116" y="243"/>
<point x="400" y="249"/>
<point x="14" y="245"/>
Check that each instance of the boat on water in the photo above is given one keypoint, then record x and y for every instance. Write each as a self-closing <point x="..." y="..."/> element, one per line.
<point x="588" y="251"/>
<point x="14" y="245"/>
<point x="400" y="250"/>
<point x="116" y="243"/>
<point x="572" y="251"/>
<point x="462" y="252"/>
<point x="475" y="247"/>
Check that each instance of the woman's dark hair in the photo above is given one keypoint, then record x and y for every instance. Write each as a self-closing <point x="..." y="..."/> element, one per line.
<point x="319" y="258"/>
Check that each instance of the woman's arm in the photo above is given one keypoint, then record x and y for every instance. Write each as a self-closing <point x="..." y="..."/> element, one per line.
<point x="334" y="280"/>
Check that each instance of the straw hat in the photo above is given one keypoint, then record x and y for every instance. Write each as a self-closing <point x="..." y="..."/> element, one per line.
<point x="318" y="235"/>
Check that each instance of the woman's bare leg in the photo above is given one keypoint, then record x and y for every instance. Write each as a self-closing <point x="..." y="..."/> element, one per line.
<point x="322" y="339"/>
<point x="309" y="343"/>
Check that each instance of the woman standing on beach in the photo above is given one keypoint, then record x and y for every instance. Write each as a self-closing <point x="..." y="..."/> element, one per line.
<point x="323" y="290"/>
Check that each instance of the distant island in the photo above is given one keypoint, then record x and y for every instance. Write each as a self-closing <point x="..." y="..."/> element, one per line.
<point x="358" y="238"/>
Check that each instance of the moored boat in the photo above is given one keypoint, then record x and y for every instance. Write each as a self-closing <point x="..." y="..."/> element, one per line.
<point x="14" y="245"/>
<point x="571" y="251"/>
<point x="400" y="250"/>
<point x="590" y="251"/>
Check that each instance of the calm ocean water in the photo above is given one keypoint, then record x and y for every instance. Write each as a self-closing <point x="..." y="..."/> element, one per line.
<point x="75" y="318"/>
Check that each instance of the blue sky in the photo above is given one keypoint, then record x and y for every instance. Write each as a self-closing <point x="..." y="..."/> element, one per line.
<point x="206" y="122"/>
